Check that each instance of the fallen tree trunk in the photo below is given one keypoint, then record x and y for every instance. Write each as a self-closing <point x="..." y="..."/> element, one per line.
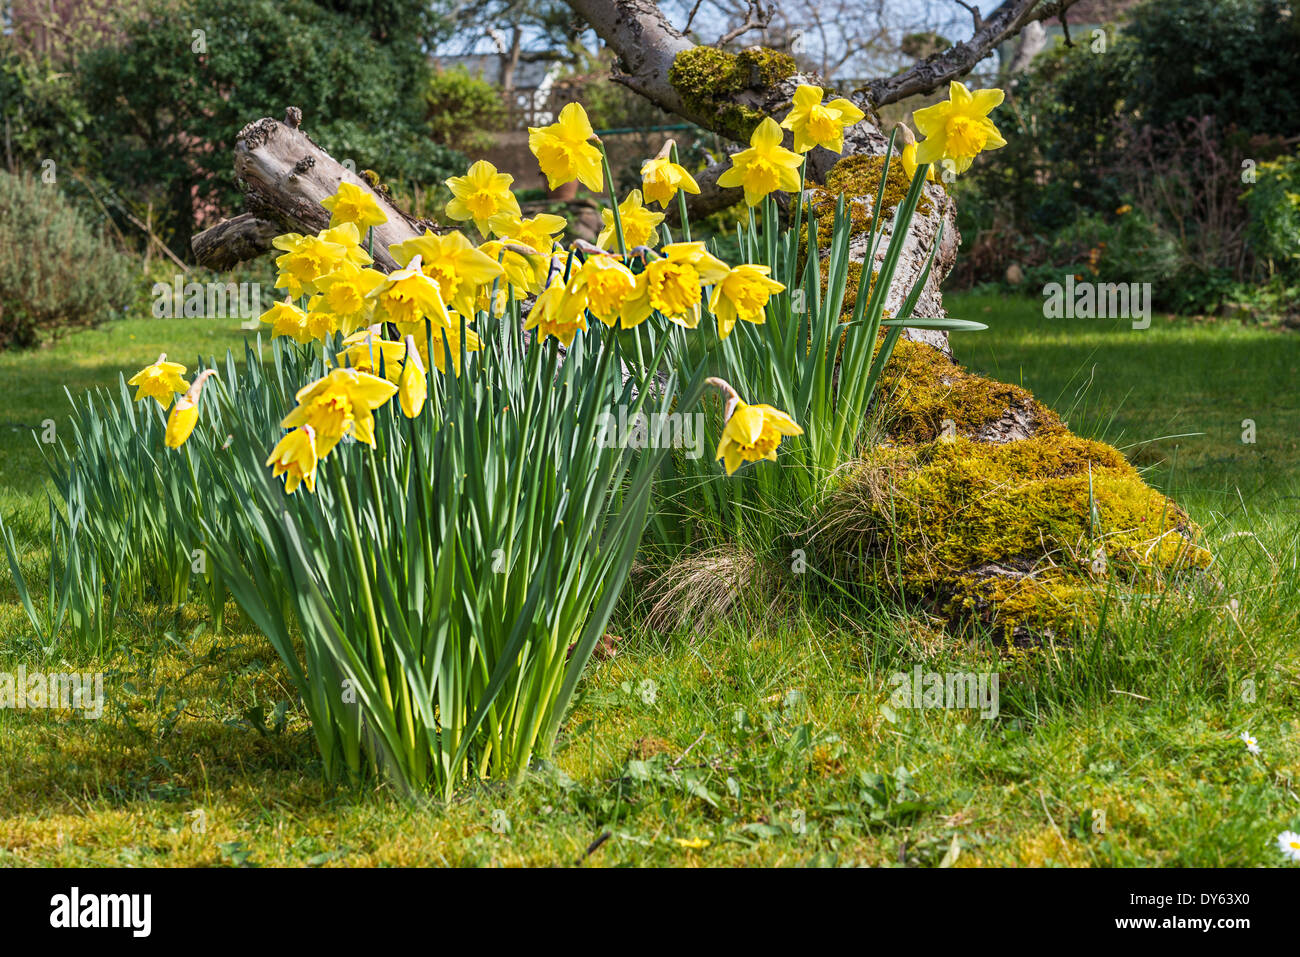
<point x="284" y="175"/>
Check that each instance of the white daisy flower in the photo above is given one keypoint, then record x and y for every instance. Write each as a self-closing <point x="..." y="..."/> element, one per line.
<point x="1251" y="744"/>
<point x="1288" y="842"/>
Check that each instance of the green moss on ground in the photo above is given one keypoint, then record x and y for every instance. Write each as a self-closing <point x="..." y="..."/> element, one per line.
<point x="923" y="388"/>
<point x="1025" y="536"/>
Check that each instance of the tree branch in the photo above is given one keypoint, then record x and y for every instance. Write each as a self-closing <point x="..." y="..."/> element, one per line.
<point x="1006" y="21"/>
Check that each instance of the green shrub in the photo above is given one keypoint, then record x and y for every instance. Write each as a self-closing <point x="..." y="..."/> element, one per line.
<point x="463" y="110"/>
<point x="57" y="273"/>
<point x="1274" y="207"/>
<point x="169" y="103"/>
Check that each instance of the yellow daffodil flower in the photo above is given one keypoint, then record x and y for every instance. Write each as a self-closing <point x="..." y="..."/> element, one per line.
<point x="661" y="178"/>
<point x="639" y="223"/>
<point x="349" y="237"/>
<point x="525" y="270"/>
<point x="765" y="166"/>
<point x="185" y="413"/>
<point x="160" y="381"/>
<point x="743" y="294"/>
<point x="444" y="340"/>
<point x="564" y="150"/>
<point x="343" y="293"/>
<point x="907" y="156"/>
<point x="538" y="233"/>
<point x="294" y="457"/>
<point x="753" y="432"/>
<point x="286" y="319"/>
<point x="306" y="259"/>
<point x="367" y="352"/>
<point x="412" y="389"/>
<point x="409" y="296"/>
<point x="959" y="128"/>
<point x="352" y="204"/>
<point x="672" y="285"/>
<point x="819" y="124"/>
<point x="338" y="403"/>
<point x="603" y="284"/>
<point x="453" y="263"/>
<point x="558" y="315"/>
<point x="481" y="194"/>
<point x="320" y="321"/>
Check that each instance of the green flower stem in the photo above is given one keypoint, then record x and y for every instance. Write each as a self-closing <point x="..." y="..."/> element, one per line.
<point x="367" y="597"/>
<point x="798" y="217"/>
<point x="613" y="199"/>
<point x="681" y="203"/>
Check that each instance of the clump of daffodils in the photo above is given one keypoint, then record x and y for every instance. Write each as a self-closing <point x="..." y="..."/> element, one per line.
<point x="387" y="333"/>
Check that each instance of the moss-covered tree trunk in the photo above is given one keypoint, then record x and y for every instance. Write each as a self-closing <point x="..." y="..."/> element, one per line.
<point x="983" y="505"/>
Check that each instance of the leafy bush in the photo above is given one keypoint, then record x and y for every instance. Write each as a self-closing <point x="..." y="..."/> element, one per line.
<point x="462" y="110"/>
<point x="1222" y="58"/>
<point x="169" y="104"/>
<point x="1161" y="119"/>
<point x="57" y="273"/>
<point x="1273" y="203"/>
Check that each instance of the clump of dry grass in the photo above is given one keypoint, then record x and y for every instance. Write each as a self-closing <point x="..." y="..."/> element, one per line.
<point x="698" y="590"/>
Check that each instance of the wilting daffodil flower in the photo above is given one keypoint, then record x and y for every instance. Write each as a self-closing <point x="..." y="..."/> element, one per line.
<point x="481" y="194"/>
<point x="765" y="166"/>
<point x="661" y="178"/>
<point x="160" y="381"/>
<point x="959" y="128"/>
<point x="525" y="267"/>
<point x="555" y="314"/>
<point x="639" y="223"/>
<point x="294" y="457"/>
<point x="342" y="401"/>
<point x="185" y="413"/>
<point x="819" y="124"/>
<point x="564" y="150"/>
<point x="453" y="263"/>
<point x="604" y="284"/>
<point x="352" y="204"/>
<point x="743" y="294"/>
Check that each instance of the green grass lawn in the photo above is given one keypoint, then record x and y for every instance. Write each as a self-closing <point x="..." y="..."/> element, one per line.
<point x="760" y="741"/>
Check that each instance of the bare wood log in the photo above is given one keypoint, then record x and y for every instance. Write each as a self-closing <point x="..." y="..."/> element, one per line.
<point x="284" y="175"/>
<point x="233" y="241"/>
